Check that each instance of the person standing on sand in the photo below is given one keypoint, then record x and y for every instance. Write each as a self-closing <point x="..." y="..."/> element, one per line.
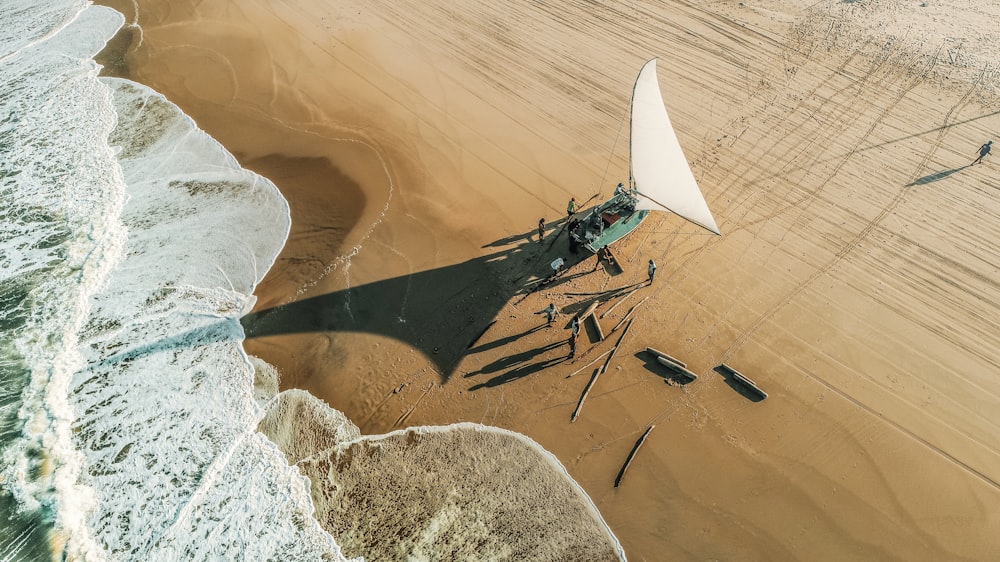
<point x="603" y="254"/>
<point x="571" y="207"/>
<point x="549" y="312"/>
<point x="574" y="326"/>
<point x="541" y="229"/>
<point x="651" y="270"/>
<point x="984" y="151"/>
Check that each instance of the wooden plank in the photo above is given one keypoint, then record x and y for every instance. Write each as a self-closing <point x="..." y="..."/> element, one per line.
<point x="747" y="381"/>
<point x="599" y="372"/>
<point x="579" y="405"/>
<point x="677" y="362"/>
<point x="676" y="368"/>
<point x="597" y="324"/>
<point x="590" y="310"/>
<point x="588" y="364"/>
<point x="631" y="455"/>
<point x="623" y="299"/>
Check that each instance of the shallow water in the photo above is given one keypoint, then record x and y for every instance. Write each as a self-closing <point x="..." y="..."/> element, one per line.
<point x="129" y="411"/>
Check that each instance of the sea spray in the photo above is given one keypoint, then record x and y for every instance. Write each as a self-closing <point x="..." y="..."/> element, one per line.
<point x="130" y="413"/>
<point x="166" y="415"/>
<point x="62" y="192"/>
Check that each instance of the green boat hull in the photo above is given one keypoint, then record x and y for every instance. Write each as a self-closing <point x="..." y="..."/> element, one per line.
<point x="607" y="223"/>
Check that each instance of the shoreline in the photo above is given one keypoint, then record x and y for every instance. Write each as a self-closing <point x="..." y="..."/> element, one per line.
<point x="793" y="295"/>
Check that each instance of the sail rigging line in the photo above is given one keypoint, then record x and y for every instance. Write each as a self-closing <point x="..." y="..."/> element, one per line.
<point x="611" y="155"/>
<point x="712" y="232"/>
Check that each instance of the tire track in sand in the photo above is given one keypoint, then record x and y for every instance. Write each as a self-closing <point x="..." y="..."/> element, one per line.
<point x="852" y="244"/>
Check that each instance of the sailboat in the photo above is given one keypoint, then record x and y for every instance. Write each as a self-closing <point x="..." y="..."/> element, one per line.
<point x="659" y="176"/>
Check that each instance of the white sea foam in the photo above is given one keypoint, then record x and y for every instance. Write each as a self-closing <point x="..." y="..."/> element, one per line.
<point x="166" y="415"/>
<point x="458" y="492"/>
<point x="138" y="424"/>
<point x="60" y="237"/>
<point x="132" y="244"/>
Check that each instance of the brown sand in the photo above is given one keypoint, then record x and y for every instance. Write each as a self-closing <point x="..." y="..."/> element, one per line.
<point x="856" y="281"/>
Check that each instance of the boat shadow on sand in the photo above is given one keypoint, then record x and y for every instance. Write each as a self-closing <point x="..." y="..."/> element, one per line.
<point x="441" y="312"/>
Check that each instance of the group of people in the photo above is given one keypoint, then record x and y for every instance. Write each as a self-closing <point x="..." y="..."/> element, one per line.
<point x="558" y="266"/>
<point x="551" y="312"/>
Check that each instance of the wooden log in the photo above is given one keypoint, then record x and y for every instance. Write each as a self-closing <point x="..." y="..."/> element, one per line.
<point x="665" y="356"/>
<point x="624" y="298"/>
<point x="597" y="325"/>
<point x="579" y="405"/>
<point x="598" y="373"/>
<point x="676" y="368"/>
<point x="615" y="348"/>
<point x="629" y="314"/>
<point x="623" y="320"/>
<point x="631" y="455"/>
<point x="747" y="381"/>
<point x="588" y="364"/>
<point x="590" y="310"/>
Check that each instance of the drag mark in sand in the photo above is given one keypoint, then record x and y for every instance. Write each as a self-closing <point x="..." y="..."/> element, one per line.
<point x="402" y="418"/>
<point x="864" y="407"/>
<point x="847" y="248"/>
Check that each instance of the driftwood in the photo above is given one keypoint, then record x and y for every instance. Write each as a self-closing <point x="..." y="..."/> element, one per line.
<point x="628" y="314"/>
<point x="676" y="368"/>
<point x="617" y="345"/>
<point x="598" y="373"/>
<point x="745" y="380"/>
<point x="623" y="320"/>
<point x="588" y="364"/>
<point x="579" y="405"/>
<point x="635" y="449"/>
<point x="597" y="325"/>
<point x="673" y="360"/>
<point x="624" y="298"/>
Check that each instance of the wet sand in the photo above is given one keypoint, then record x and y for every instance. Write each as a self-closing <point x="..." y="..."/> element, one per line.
<point x="855" y="281"/>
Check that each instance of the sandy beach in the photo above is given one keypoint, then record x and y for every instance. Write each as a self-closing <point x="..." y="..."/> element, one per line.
<point x="856" y="278"/>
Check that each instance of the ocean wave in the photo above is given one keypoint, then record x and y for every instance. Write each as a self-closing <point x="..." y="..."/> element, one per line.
<point x="165" y="410"/>
<point x="133" y="424"/>
<point x="62" y="189"/>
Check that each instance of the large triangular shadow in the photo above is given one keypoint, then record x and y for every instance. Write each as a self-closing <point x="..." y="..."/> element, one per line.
<point x="440" y="312"/>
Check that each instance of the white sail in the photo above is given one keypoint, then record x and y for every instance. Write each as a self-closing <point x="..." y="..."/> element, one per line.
<point x="661" y="174"/>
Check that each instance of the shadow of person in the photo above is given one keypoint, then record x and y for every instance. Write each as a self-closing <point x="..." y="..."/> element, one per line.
<point x="514" y="360"/>
<point x="937" y="176"/>
<point x="520" y="372"/>
<point x="506" y="340"/>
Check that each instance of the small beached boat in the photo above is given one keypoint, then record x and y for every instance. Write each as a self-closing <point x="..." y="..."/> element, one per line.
<point x="660" y="178"/>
